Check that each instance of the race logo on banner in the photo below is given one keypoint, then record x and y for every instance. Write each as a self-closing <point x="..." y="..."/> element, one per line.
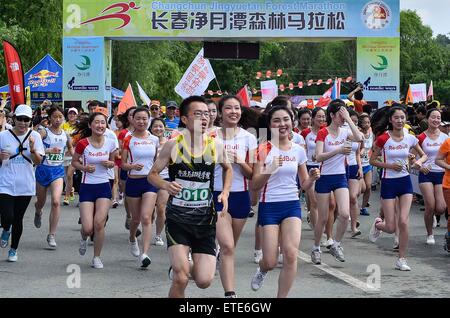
<point x="197" y="77"/>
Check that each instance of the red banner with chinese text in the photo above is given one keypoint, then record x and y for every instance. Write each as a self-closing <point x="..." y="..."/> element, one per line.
<point x="15" y="75"/>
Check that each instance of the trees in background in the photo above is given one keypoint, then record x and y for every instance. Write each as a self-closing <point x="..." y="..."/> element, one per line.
<point x="35" y="28"/>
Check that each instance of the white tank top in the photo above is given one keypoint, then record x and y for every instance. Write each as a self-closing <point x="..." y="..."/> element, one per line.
<point x="51" y="141"/>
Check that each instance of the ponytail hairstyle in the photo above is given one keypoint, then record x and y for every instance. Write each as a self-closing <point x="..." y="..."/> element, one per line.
<point x="380" y="121"/>
<point x="333" y="108"/>
<point x="82" y="127"/>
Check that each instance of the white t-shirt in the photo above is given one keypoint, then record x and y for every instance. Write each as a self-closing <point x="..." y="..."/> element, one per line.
<point x="282" y="185"/>
<point x="95" y="156"/>
<point x="242" y="143"/>
<point x="337" y="163"/>
<point x="298" y="139"/>
<point x="310" y="140"/>
<point x="395" y="151"/>
<point x="431" y="148"/>
<point x="52" y="140"/>
<point x="17" y="175"/>
<point x="351" y="158"/>
<point x="109" y="134"/>
<point x="141" y="151"/>
<point x="366" y="152"/>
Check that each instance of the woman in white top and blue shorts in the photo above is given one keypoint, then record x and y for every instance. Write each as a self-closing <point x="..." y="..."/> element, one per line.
<point x="431" y="175"/>
<point x="394" y="146"/>
<point x="275" y="173"/>
<point x="138" y="154"/>
<point x="50" y="174"/>
<point x="333" y="145"/>
<point x="94" y="155"/>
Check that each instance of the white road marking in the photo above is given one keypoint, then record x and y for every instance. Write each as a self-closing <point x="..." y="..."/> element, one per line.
<point x="338" y="274"/>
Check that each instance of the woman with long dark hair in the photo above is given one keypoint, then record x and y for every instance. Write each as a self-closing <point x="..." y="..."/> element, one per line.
<point x="241" y="147"/>
<point x="333" y="145"/>
<point x="431" y="175"/>
<point x="94" y="155"/>
<point x="279" y="162"/>
<point x="394" y="145"/>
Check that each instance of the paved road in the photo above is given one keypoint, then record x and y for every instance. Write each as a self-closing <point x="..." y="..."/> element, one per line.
<point x="41" y="272"/>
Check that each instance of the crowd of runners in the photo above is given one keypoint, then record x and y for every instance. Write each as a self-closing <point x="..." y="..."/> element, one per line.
<point x="200" y="170"/>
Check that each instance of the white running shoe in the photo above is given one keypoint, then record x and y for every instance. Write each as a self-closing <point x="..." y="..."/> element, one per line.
<point x="257" y="256"/>
<point x="134" y="248"/>
<point x="338" y="253"/>
<point x="430" y="240"/>
<point x="280" y="259"/>
<point x="434" y="221"/>
<point x="190" y="257"/>
<point x="145" y="261"/>
<point x="83" y="247"/>
<point x="258" y="279"/>
<point x="97" y="262"/>
<point x="51" y="240"/>
<point x="158" y="241"/>
<point x="316" y="257"/>
<point x="402" y="265"/>
<point x="329" y="243"/>
<point x="374" y="233"/>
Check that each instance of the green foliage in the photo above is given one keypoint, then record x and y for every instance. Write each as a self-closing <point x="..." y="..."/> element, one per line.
<point x="35" y="29"/>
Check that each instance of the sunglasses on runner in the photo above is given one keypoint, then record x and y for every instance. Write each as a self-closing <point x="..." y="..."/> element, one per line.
<point x="23" y="119"/>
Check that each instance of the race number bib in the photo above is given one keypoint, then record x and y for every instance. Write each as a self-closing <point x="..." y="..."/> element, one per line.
<point x="55" y="158"/>
<point x="193" y="195"/>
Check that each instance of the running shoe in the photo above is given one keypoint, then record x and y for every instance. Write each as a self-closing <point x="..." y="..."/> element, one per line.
<point x="170" y="273"/>
<point x="51" y="240"/>
<point x="374" y="233"/>
<point x="338" y="253"/>
<point x="401" y="264"/>
<point x="127" y="223"/>
<point x="158" y="241"/>
<point x="5" y="238"/>
<point x="316" y="257"/>
<point x="231" y="295"/>
<point x="430" y="240"/>
<point x="355" y="234"/>
<point x="257" y="256"/>
<point x="83" y="247"/>
<point x="145" y="261"/>
<point x="115" y="204"/>
<point x="280" y="259"/>
<point x="72" y="194"/>
<point x="364" y="211"/>
<point x="258" y="279"/>
<point x="37" y="220"/>
<point x="396" y="246"/>
<point x="251" y="213"/>
<point x="66" y="201"/>
<point x="329" y="243"/>
<point x="97" y="262"/>
<point x="134" y="248"/>
<point x="434" y="221"/>
<point x="12" y="255"/>
<point x="447" y="243"/>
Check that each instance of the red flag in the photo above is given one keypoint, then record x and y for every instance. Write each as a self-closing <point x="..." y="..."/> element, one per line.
<point x="325" y="99"/>
<point x="15" y="75"/>
<point x="243" y="95"/>
<point x="127" y="101"/>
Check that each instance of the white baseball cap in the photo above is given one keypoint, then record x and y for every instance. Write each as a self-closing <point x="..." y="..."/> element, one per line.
<point x="23" y="110"/>
<point x="73" y="109"/>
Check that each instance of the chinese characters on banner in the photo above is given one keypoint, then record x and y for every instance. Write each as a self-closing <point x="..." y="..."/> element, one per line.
<point x="15" y="75"/>
<point x="247" y="20"/>
<point x="197" y="77"/>
<point x="419" y="92"/>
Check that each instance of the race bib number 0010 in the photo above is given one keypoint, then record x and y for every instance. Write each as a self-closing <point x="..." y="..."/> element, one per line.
<point x="193" y="195"/>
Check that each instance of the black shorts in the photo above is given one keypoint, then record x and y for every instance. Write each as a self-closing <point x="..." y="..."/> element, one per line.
<point x="200" y="238"/>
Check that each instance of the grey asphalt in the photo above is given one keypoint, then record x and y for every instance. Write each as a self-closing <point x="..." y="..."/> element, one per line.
<point x="41" y="272"/>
